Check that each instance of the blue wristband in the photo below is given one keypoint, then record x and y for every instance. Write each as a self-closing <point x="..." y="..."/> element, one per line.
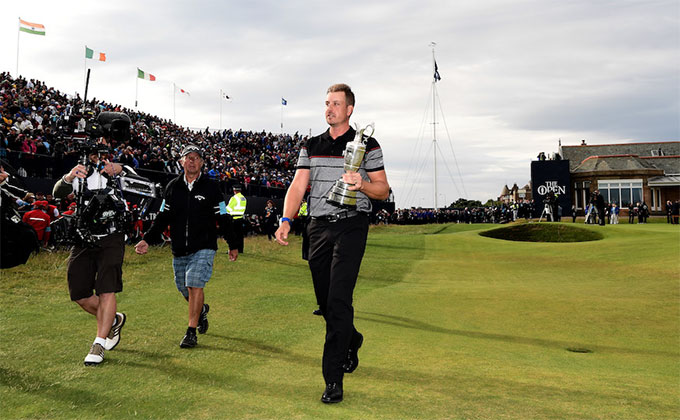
<point x="285" y="219"/>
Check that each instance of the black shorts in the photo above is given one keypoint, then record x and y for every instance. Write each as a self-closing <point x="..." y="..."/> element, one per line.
<point x="99" y="268"/>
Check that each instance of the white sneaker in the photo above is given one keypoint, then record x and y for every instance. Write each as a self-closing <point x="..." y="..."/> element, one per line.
<point x="113" y="338"/>
<point x="95" y="356"/>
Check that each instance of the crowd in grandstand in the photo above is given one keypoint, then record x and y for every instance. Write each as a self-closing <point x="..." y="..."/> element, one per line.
<point x="39" y="121"/>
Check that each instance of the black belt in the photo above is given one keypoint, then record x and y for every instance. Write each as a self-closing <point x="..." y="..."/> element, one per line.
<point x="331" y="218"/>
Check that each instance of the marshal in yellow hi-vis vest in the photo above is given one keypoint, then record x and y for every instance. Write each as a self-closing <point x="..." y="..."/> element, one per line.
<point x="303" y="209"/>
<point x="237" y="206"/>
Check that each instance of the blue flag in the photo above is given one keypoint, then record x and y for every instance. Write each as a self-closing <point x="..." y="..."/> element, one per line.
<point x="284" y="102"/>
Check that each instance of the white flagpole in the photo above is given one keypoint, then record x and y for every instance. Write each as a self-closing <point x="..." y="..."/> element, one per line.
<point x="221" y="99"/>
<point x="434" y="121"/>
<point x="282" y="115"/>
<point x="18" y="35"/>
<point x="174" y="94"/>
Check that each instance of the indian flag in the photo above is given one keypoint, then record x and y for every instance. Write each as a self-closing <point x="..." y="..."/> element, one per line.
<point x="95" y="55"/>
<point x="146" y="76"/>
<point x="31" y="28"/>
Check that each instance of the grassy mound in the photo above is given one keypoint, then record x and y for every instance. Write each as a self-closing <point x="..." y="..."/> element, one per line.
<point x="543" y="232"/>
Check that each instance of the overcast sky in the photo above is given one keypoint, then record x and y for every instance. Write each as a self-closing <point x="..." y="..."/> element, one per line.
<point x="517" y="76"/>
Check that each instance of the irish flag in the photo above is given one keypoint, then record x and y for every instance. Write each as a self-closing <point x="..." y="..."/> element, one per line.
<point x="146" y="76"/>
<point x="95" y="55"/>
<point x="31" y="28"/>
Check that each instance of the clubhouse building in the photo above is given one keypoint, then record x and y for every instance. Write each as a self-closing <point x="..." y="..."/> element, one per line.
<point x="625" y="173"/>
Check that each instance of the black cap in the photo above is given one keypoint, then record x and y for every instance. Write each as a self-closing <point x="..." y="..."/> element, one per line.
<point x="191" y="148"/>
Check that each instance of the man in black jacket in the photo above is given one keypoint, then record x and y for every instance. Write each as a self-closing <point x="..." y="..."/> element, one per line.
<point x="599" y="204"/>
<point x="191" y="207"/>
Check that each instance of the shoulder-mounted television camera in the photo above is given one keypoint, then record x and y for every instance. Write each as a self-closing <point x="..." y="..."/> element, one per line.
<point x="86" y="129"/>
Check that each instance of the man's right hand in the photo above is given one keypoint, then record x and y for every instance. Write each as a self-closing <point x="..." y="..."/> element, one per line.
<point x="78" y="171"/>
<point x="282" y="233"/>
<point x="142" y="247"/>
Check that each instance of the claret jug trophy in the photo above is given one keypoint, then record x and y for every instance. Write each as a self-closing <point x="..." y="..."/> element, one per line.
<point x="340" y="195"/>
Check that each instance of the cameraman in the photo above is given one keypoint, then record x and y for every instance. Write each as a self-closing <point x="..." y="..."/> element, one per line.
<point x="97" y="267"/>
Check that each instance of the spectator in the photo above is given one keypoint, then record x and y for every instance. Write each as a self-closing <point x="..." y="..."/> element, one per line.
<point x="39" y="221"/>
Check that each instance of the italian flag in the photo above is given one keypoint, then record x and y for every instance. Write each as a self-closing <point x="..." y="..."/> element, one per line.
<point x="146" y="76"/>
<point x="31" y="28"/>
<point x="96" y="55"/>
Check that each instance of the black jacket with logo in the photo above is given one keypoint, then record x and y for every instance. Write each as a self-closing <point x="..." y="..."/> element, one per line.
<point x="193" y="217"/>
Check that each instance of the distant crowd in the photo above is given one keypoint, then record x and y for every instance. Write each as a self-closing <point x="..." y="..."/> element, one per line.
<point x="502" y="213"/>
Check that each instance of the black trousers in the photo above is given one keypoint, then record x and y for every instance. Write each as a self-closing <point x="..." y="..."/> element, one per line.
<point x="335" y="253"/>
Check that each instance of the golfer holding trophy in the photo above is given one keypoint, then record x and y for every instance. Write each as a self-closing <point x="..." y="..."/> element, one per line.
<point x="344" y="168"/>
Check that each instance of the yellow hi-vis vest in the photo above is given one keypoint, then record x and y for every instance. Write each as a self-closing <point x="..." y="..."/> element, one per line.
<point x="237" y="206"/>
<point x="303" y="209"/>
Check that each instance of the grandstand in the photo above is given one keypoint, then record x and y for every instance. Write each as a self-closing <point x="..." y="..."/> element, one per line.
<point x="37" y="139"/>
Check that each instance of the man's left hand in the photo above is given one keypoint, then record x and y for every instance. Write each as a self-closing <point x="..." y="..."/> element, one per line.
<point x="233" y="254"/>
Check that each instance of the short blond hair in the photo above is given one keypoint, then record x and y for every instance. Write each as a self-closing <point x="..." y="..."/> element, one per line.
<point x="341" y="87"/>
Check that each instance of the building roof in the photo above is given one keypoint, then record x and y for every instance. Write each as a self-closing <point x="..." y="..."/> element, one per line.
<point x="614" y="163"/>
<point x="669" y="164"/>
<point x="578" y="154"/>
<point x="664" y="181"/>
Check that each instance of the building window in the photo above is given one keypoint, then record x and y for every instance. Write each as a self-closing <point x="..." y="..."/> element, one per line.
<point x="621" y="191"/>
<point x="658" y="152"/>
<point x="656" y="199"/>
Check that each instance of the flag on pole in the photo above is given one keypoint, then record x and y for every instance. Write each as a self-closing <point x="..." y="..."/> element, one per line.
<point x="31" y="28"/>
<point x="183" y="91"/>
<point x="94" y="55"/>
<point x="284" y="102"/>
<point x="225" y="96"/>
<point x="146" y="76"/>
<point x="437" y="77"/>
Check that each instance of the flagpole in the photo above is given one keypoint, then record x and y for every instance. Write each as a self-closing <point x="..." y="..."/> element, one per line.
<point x="18" y="35"/>
<point x="136" y="87"/>
<point x="174" y="94"/>
<point x="282" y="115"/>
<point x="434" y="121"/>
<point x="85" y="62"/>
<point x="221" y="109"/>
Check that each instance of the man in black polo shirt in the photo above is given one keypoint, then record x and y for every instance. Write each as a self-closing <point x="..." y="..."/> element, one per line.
<point x="337" y="236"/>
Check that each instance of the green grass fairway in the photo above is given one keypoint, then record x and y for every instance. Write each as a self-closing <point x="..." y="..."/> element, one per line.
<point x="456" y="325"/>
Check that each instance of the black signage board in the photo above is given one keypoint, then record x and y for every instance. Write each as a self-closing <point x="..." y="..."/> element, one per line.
<point x="551" y="178"/>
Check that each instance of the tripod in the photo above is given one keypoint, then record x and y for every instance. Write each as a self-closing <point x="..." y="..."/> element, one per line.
<point x="547" y="211"/>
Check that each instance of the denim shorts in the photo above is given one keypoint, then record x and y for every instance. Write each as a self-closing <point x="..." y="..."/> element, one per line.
<point x="193" y="270"/>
